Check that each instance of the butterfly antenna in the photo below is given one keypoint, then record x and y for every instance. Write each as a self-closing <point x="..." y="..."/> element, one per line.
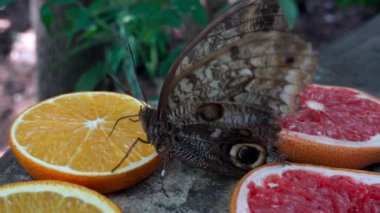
<point x="114" y="81"/>
<point x="127" y="154"/>
<point x="138" y="82"/>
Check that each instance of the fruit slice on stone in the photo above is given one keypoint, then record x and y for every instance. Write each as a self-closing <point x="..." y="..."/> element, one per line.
<point x="336" y="126"/>
<point x="306" y="188"/>
<point x="67" y="138"/>
<point x="52" y="196"/>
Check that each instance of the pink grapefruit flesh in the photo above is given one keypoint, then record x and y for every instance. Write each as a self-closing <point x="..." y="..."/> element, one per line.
<point x="306" y="188"/>
<point x="335" y="126"/>
<point x="336" y="112"/>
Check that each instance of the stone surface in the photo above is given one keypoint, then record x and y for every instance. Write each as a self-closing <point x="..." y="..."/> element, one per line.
<point x="351" y="61"/>
<point x="189" y="189"/>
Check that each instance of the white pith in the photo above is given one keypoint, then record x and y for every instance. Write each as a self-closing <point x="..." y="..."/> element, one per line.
<point x="315" y="105"/>
<point x="65" y="190"/>
<point x="373" y="142"/>
<point x="93" y="124"/>
<point x="90" y="125"/>
<point x="260" y="174"/>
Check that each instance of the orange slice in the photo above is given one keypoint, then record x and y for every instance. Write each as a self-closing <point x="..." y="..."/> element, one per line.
<point x="66" y="138"/>
<point x="336" y="126"/>
<point x="306" y="188"/>
<point x="52" y="196"/>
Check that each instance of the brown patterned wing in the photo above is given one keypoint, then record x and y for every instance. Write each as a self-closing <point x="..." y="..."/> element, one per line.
<point x="231" y="100"/>
<point x="266" y="70"/>
<point x="224" y="94"/>
<point x="240" y="20"/>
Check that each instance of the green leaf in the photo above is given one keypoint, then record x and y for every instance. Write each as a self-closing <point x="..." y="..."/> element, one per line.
<point x="47" y="12"/>
<point x="152" y="63"/>
<point x="194" y="8"/>
<point x="162" y="45"/>
<point x="131" y="76"/>
<point x="290" y="10"/>
<point x="167" y="63"/>
<point x="91" y="78"/>
<point x="80" y="20"/>
<point x="167" y="17"/>
<point x="47" y="16"/>
<point x="114" y="58"/>
<point x="4" y="3"/>
<point x="99" y="5"/>
<point x="144" y="9"/>
<point x="199" y="14"/>
<point x="135" y="45"/>
<point x="83" y="46"/>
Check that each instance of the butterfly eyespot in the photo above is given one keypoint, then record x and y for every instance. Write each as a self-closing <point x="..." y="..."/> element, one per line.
<point x="247" y="156"/>
<point x="210" y="112"/>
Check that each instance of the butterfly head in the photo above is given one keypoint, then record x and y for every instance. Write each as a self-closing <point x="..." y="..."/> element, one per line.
<point x="147" y="115"/>
<point x="157" y="132"/>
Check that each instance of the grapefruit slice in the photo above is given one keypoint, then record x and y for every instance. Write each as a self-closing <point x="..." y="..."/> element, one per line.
<point x="52" y="196"/>
<point x="66" y="138"/>
<point x="336" y="126"/>
<point x="306" y="188"/>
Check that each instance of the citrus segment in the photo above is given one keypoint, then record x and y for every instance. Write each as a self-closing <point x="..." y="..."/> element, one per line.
<point x="306" y="188"/>
<point x="68" y="138"/>
<point x="52" y="196"/>
<point x="335" y="112"/>
<point x="336" y="126"/>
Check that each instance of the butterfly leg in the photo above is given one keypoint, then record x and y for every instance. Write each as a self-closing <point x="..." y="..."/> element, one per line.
<point x="118" y="120"/>
<point x="138" y="119"/>
<point x="162" y="174"/>
<point x="135" y="120"/>
<point x="129" y="151"/>
<point x="166" y="158"/>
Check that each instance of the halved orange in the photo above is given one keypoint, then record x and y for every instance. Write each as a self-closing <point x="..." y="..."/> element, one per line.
<point x="306" y="188"/>
<point x="66" y="138"/>
<point x="336" y="126"/>
<point x="52" y="196"/>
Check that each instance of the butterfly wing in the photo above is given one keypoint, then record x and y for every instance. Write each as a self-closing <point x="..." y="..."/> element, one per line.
<point x="240" y="20"/>
<point x="225" y="93"/>
<point x="235" y="96"/>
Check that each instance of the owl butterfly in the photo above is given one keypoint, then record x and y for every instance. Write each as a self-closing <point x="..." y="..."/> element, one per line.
<point x="220" y="104"/>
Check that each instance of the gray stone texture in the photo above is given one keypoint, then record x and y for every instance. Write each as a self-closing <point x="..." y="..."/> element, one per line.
<point x="351" y="61"/>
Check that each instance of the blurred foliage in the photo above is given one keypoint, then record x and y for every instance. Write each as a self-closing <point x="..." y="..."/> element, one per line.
<point x="136" y="25"/>
<point x="120" y="26"/>
<point x="4" y="3"/>
<point x="290" y="10"/>
<point x="369" y="3"/>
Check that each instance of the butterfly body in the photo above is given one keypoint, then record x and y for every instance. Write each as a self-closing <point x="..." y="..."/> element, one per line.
<point x="221" y="104"/>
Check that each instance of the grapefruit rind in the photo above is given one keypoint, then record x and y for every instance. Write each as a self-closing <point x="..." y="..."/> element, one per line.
<point x="62" y="188"/>
<point x="103" y="182"/>
<point x="321" y="150"/>
<point x="240" y="195"/>
<point x="299" y="148"/>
